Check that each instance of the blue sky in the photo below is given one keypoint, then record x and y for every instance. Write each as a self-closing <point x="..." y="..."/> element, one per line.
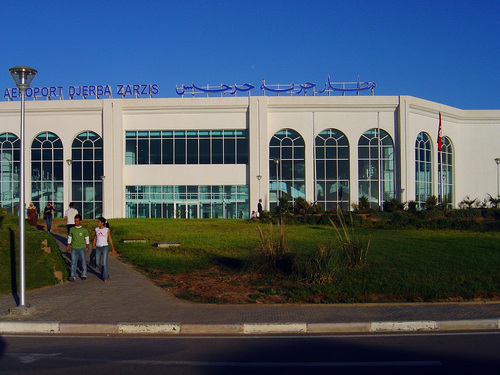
<point x="444" y="51"/>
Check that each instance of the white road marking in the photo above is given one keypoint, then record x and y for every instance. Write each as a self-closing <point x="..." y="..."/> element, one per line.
<point x="284" y="364"/>
<point x="32" y="357"/>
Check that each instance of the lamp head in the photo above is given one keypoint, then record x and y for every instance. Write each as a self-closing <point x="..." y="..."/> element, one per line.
<point x="497" y="160"/>
<point x="22" y="76"/>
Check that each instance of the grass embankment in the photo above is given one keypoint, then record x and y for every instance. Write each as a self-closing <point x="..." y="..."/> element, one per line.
<point x="39" y="264"/>
<point x="401" y="265"/>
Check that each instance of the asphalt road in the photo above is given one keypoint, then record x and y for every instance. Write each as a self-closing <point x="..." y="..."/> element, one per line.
<point x="417" y="353"/>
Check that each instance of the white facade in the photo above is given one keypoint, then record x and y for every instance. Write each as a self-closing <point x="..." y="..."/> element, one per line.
<point x="474" y="135"/>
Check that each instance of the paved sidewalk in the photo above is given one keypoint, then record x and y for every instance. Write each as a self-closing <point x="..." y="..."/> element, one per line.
<point x="130" y="297"/>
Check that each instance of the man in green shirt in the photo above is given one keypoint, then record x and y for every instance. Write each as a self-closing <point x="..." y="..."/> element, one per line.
<point x="78" y="245"/>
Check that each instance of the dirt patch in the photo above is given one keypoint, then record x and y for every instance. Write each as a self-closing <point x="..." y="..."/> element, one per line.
<point x="221" y="286"/>
<point x="216" y="285"/>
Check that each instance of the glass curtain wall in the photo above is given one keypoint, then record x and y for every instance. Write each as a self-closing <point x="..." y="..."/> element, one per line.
<point x="186" y="147"/>
<point x="47" y="172"/>
<point x="332" y="170"/>
<point x="9" y="171"/>
<point x="87" y="174"/>
<point x="286" y="167"/>
<point x="446" y="172"/>
<point x="423" y="168"/>
<point x="376" y="167"/>
<point x="187" y="202"/>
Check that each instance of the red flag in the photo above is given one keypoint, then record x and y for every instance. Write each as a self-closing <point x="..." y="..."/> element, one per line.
<point x="440" y="135"/>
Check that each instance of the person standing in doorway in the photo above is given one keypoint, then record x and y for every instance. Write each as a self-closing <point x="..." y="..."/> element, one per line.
<point x="48" y="213"/>
<point x="259" y="208"/>
<point x="78" y="245"/>
<point x="69" y="216"/>
<point x="101" y="242"/>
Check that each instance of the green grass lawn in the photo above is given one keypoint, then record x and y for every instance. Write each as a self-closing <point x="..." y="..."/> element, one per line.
<point x="39" y="265"/>
<point x="402" y="265"/>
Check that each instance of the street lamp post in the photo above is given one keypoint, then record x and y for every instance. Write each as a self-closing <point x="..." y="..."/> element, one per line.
<point x="102" y="194"/>
<point x="69" y="161"/>
<point x="259" y="178"/>
<point x="497" y="160"/>
<point x="23" y="76"/>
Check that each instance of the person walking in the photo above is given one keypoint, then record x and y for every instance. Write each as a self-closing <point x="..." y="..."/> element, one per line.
<point x="32" y="214"/>
<point x="78" y="245"/>
<point x="69" y="216"/>
<point x="100" y="243"/>
<point x="259" y="208"/>
<point x="48" y="213"/>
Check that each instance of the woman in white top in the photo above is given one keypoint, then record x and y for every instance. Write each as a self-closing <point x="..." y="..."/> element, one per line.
<point x="102" y="236"/>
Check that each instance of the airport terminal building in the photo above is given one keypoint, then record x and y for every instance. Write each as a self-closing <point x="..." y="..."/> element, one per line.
<point x="215" y="156"/>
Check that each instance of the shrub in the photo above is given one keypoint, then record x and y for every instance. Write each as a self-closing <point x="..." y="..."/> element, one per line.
<point x="352" y="251"/>
<point x="317" y="266"/>
<point x="494" y="202"/>
<point x="364" y="204"/>
<point x="273" y="252"/>
<point x="301" y="206"/>
<point x="283" y="205"/>
<point x="412" y="206"/>
<point x="431" y="202"/>
<point x="467" y="203"/>
<point x="428" y="214"/>
<point x="392" y="205"/>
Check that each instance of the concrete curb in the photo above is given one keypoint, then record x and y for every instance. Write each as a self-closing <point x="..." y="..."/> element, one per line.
<point x="264" y="328"/>
<point x="245" y="328"/>
<point x="29" y="327"/>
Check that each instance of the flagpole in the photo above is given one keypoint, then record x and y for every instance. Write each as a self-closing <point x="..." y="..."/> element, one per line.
<point x="441" y="179"/>
<point x="440" y="162"/>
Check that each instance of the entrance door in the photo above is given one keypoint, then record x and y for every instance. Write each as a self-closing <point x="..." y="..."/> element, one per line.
<point x="186" y="211"/>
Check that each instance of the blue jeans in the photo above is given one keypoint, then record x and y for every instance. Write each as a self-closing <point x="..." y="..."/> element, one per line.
<point x="75" y="255"/>
<point x="101" y="259"/>
<point x="48" y="219"/>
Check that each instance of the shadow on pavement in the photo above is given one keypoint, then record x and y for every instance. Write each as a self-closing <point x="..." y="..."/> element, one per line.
<point x="13" y="268"/>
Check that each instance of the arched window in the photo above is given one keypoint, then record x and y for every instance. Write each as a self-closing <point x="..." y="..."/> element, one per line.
<point x="9" y="171"/>
<point x="286" y="166"/>
<point x="332" y="169"/>
<point x="87" y="174"/>
<point x="423" y="168"/>
<point x="446" y="172"/>
<point x="47" y="172"/>
<point x="376" y="166"/>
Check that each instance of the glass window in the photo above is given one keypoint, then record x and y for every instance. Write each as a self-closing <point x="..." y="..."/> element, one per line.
<point x="242" y="148"/>
<point x="130" y="152"/>
<point x="446" y="172"/>
<point x="187" y="147"/>
<point x="204" y="151"/>
<point x="180" y="150"/>
<point x="217" y="151"/>
<point x="143" y="151"/>
<point x="48" y="168"/>
<point x="423" y="168"/>
<point x="286" y="171"/>
<point x="167" y="151"/>
<point x="192" y="150"/>
<point x="87" y="170"/>
<point x="188" y="202"/>
<point x="155" y="154"/>
<point x="332" y="169"/>
<point x="376" y="166"/>
<point x="229" y="151"/>
<point x="9" y="171"/>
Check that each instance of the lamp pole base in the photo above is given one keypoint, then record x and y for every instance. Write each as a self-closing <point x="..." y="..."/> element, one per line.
<point x="22" y="310"/>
